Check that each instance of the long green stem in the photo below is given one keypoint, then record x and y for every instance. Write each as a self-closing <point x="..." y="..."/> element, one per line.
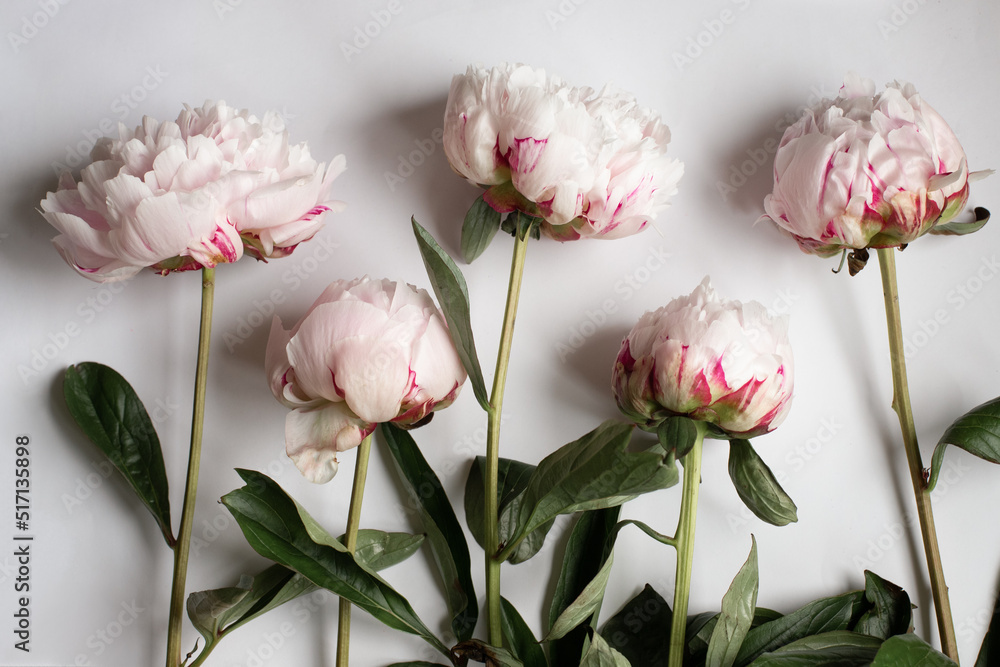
<point x="685" y="549"/>
<point x="353" y="520"/>
<point x="901" y="404"/>
<point x="182" y="548"/>
<point x="493" y="444"/>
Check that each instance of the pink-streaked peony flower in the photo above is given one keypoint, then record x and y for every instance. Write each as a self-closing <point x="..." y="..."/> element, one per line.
<point x="593" y="165"/>
<point x="867" y="170"/>
<point x="721" y="362"/>
<point x="191" y="193"/>
<point x="368" y="351"/>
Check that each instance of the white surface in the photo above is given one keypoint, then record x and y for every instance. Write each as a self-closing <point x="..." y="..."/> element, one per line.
<point x="838" y="452"/>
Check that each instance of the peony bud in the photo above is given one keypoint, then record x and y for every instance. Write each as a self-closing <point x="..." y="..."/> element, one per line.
<point x="368" y="351"/>
<point x="188" y="194"/>
<point x="721" y="362"/>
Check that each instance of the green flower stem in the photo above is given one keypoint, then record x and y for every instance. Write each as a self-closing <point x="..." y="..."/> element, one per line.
<point x="183" y="546"/>
<point x="901" y="404"/>
<point x="493" y="444"/>
<point x="353" y="520"/>
<point x="684" y="542"/>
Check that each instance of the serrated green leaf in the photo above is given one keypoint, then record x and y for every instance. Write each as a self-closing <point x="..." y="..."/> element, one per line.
<point x="110" y="413"/>
<point x="453" y="297"/>
<point x="963" y="228"/>
<point x="593" y="472"/>
<point x="817" y="617"/>
<point x="640" y="631"/>
<point x="599" y="654"/>
<point x="909" y="650"/>
<point x="830" y="649"/>
<point x="519" y="638"/>
<point x="482" y="223"/>
<point x="738" y="605"/>
<point x="588" y="549"/>
<point x="273" y="525"/>
<point x="445" y="536"/>
<point x="890" y="613"/>
<point x="512" y="478"/>
<point x="757" y="486"/>
<point x="977" y="432"/>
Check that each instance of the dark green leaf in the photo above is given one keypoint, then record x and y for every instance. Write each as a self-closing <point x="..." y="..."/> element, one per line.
<point x="977" y="432"/>
<point x="909" y="650"/>
<point x="217" y="612"/>
<point x="587" y="551"/>
<point x="110" y="413"/>
<point x="512" y="478"/>
<point x="830" y="649"/>
<point x="453" y="296"/>
<point x="479" y="651"/>
<point x="593" y="472"/>
<point x="585" y="606"/>
<point x="519" y="638"/>
<point x="817" y="617"/>
<point x="700" y="627"/>
<point x="418" y="663"/>
<point x="738" y="605"/>
<point x="278" y="529"/>
<point x="991" y="642"/>
<point x="599" y="654"/>
<point x="757" y="486"/>
<point x="444" y="533"/>
<point x="963" y="228"/>
<point x="678" y="435"/>
<point x="482" y="222"/>
<point x="378" y="549"/>
<point x="522" y="224"/>
<point x="890" y="613"/>
<point x="640" y="631"/>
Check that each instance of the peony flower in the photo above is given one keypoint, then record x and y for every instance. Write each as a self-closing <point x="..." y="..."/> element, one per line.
<point x="867" y="171"/>
<point x="721" y="362"/>
<point x="191" y="193"/>
<point x="368" y="351"/>
<point x="591" y="164"/>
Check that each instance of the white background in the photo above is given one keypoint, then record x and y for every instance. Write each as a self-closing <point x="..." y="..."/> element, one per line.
<point x="838" y="454"/>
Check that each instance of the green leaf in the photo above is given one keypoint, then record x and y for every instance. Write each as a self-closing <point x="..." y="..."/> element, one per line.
<point x="977" y="432"/>
<point x="479" y="651"/>
<point x="519" y="638"/>
<point x="522" y="224"/>
<point x="817" y="617"/>
<point x="217" y="612"/>
<point x="678" y="435"/>
<point x="593" y="472"/>
<point x="599" y="654"/>
<point x="587" y="552"/>
<point x="444" y="533"/>
<point x="379" y="550"/>
<point x="909" y="650"/>
<point x="738" y="605"/>
<point x="110" y="413"/>
<point x="963" y="228"/>
<point x="418" y="663"/>
<point x="276" y="528"/>
<point x="585" y="606"/>
<point x="453" y="296"/>
<point x="640" y="631"/>
<point x="890" y="613"/>
<point x="991" y="642"/>
<point x="482" y="223"/>
<point x="830" y="649"/>
<point x="659" y="537"/>
<point x="699" y="629"/>
<point x="757" y="487"/>
<point x="512" y="478"/>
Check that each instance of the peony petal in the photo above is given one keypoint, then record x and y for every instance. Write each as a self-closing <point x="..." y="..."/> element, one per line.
<point x="313" y="438"/>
